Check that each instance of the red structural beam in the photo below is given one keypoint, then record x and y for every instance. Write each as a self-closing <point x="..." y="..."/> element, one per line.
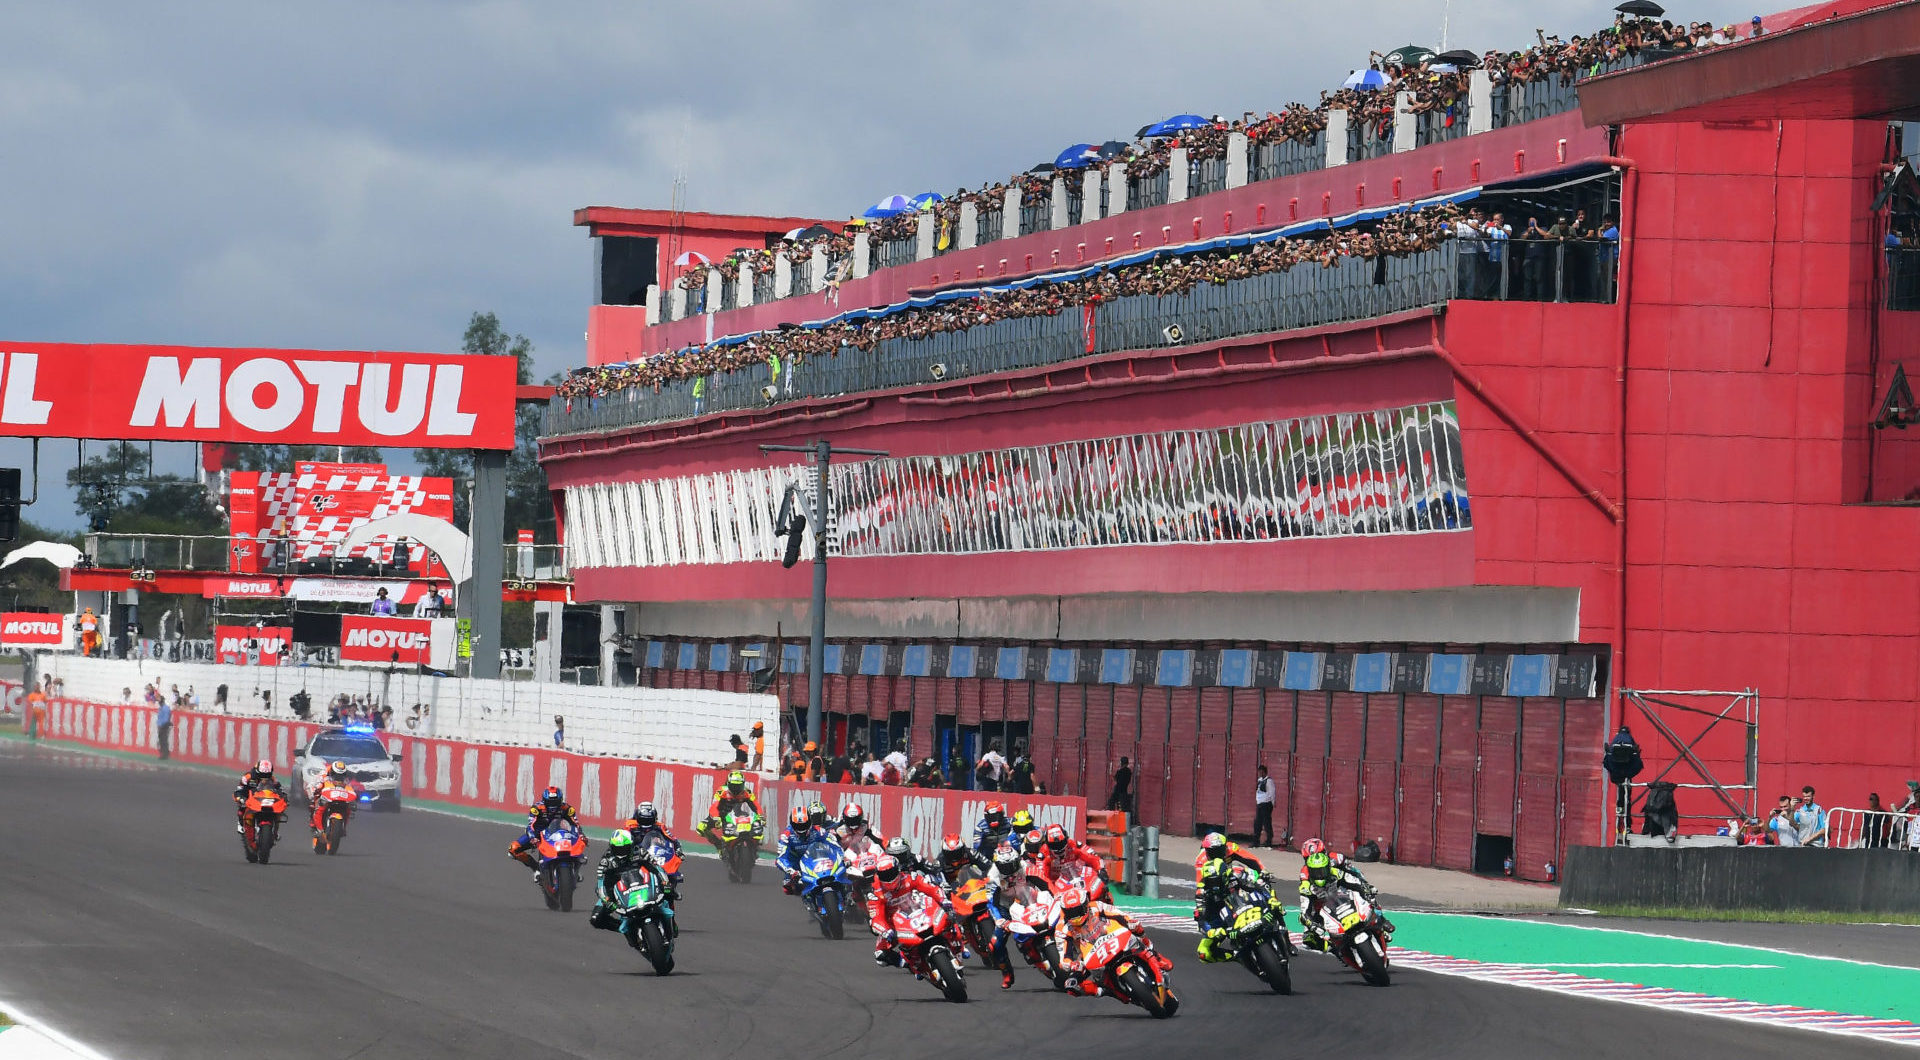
<point x="266" y="587"/>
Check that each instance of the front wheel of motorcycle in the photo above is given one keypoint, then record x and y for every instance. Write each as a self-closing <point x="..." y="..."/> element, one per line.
<point x="1050" y="952"/>
<point x="263" y="838"/>
<point x="653" y="942"/>
<point x="566" y="877"/>
<point x="1273" y="966"/>
<point x="836" y="917"/>
<point x="1373" y="964"/>
<point x="336" y="831"/>
<point x="947" y="975"/>
<point x="1153" y="996"/>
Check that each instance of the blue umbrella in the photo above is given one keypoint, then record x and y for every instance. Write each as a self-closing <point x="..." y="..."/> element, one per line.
<point x="1364" y="79"/>
<point x="924" y="200"/>
<point x="1077" y="157"/>
<point x="890" y="206"/>
<point x="1177" y="124"/>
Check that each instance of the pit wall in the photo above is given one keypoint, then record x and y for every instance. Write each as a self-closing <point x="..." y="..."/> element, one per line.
<point x="661" y="725"/>
<point x="507" y="779"/>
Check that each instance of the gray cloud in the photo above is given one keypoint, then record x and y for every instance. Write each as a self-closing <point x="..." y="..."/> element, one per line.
<point x="364" y="175"/>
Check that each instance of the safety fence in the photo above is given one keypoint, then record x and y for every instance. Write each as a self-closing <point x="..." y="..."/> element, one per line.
<point x="663" y="725"/>
<point x="1848" y="828"/>
<point x="604" y="789"/>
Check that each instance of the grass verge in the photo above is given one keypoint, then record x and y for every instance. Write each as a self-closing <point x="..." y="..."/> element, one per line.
<point x="5" y="1021"/>
<point x="1754" y="916"/>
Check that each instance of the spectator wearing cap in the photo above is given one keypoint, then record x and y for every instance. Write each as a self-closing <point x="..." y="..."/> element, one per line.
<point x="759" y="761"/>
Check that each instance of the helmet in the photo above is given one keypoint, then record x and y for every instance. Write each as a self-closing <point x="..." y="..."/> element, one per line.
<point x="1006" y="858"/>
<point x="886" y="870"/>
<point x="337" y="771"/>
<point x="1022" y="821"/>
<point x="1073" y="903"/>
<point x="620" y="843"/>
<point x="1319" y="868"/>
<point x="996" y="814"/>
<point x="1214" y="845"/>
<point x="736" y="782"/>
<point x="553" y="798"/>
<point x="645" y="815"/>
<point x="954" y="852"/>
<point x="898" y="849"/>
<point x="816" y="814"/>
<point x="263" y="768"/>
<point x="800" y="819"/>
<point x="1032" y="842"/>
<point x="1312" y="847"/>
<point x="852" y="816"/>
<point x="1056" y="839"/>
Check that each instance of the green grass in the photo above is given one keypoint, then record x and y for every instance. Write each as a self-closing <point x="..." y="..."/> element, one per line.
<point x="5" y="1021"/>
<point x="1755" y="916"/>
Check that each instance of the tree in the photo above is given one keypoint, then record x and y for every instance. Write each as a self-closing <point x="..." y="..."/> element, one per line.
<point x="269" y="457"/>
<point x="528" y="503"/>
<point x="35" y="584"/>
<point x="118" y="493"/>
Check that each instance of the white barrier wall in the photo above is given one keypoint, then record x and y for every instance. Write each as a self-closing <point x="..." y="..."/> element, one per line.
<point x="689" y="725"/>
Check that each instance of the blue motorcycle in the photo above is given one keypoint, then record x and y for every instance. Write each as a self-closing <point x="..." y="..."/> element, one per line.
<point x="824" y="886"/>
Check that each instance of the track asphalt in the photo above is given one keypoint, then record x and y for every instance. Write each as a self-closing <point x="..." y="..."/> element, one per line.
<point x="130" y="921"/>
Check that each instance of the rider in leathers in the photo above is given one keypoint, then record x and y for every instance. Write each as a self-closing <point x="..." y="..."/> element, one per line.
<point x="799" y="834"/>
<point x="259" y="778"/>
<point x="727" y="798"/>
<point x="1318" y="876"/>
<point x="622" y="855"/>
<point x="992" y="830"/>
<point x="1082" y="923"/>
<point x="955" y="858"/>
<point x="1061" y="854"/>
<point x="335" y="778"/>
<point x="1209" y="902"/>
<point x="1012" y="885"/>
<point x="645" y="824"/>
<point x="552" y="808"/>
<point x="1209" y="899"/>
<point x="893" y="889"/>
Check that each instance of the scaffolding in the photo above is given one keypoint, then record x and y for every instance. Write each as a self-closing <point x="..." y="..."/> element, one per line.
<point x="1663" y="711"/>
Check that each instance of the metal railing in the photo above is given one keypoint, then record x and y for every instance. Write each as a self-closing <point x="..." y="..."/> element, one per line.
<point x="1362" y="143"/>
<point x="1903" y="278"/>
<point x="1537" y="270"/>
<point x="891" y="252"/>
<point x="801" y="273"/>
<point x="1432" y="126"/>
<point x="1143" y="192"/>
<point x="1269" y="161"/>
<point x="987" y="225"/>
<point x="1304" y="296"/>
<point x="1848" y="829"/>
<point x="1076" y="207"/>
<point x="762" y="287"/>
<point x="1036" y="216"/>
<point x="729" y="294"/>
<point x="1206" y="176"/>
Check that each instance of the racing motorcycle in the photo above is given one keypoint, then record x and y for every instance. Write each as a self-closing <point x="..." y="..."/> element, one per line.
<point x="336" y="805"/>
<point x="265" y="809"/>
<point x="1084" y="876"/>
<point x="972" y="906"/>
<point x="739" y="845"/>
<point x="824" y="886"/>
<point x="1356" y="933"/>
<point x="640" y="901"/>
<point x="1032" y="926"/>
<point x="860" y="856"/>
<point x="1124" y="965"/>
<point x="1257" y="929"/>
<point x="560" y="852"/>
<point x="929" y="940"/>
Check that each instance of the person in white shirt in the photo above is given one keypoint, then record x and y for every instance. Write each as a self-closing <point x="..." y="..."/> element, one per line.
<point x="992" y="767"/>
<point x="1262" y="807"/>
<point x="871" y="769"/>
<point x="897" y="758"/>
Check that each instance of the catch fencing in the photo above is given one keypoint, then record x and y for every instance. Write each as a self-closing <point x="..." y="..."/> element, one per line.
<point x="666" y="725"/>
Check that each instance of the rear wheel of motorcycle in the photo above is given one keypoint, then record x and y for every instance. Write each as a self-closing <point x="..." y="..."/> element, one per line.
<point x="653" y="942"/>
<point x="836" y="917"/>
<point x="1273" y="967"/>
<point x="565" y="878"/>
<point x="1154" y="997"/>
<point x="336" y="831"/>
<point x="1373" y="965"/>
<point x="947" y="975"/>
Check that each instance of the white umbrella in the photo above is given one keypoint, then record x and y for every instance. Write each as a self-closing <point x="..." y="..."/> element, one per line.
<point x="688" y="257"/>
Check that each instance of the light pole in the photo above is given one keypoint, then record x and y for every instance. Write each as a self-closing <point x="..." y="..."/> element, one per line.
<point x="823" y="452"/>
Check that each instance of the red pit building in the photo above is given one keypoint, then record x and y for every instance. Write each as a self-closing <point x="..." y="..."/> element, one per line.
<point x="1400" y="534"/>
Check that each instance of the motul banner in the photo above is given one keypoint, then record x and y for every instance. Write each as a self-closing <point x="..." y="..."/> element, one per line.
<point x="33" y="628"/>
<point x="366" y="638"/>
<point x="251" y="645"/>
<point x="213" y="394"/>
<point x="258" y="588"/>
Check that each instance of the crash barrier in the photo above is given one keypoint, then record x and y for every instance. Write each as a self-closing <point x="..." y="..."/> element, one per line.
<point x="1843" y="881"/>
<point x="604" y="789"/>
<point x="1848" y="828"/>
<point x="689" y="725"/>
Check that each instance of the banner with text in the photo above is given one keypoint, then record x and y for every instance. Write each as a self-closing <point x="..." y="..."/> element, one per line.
<point x="251" y="645"/>
<point x="33" y="628"/>
<point x="373" y="639"/>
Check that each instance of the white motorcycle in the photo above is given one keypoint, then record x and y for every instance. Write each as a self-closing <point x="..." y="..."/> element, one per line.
<point x="1356" y="933"/>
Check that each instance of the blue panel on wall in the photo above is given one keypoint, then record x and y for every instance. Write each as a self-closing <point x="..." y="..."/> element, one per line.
<point x="1373" y="672"/>
<point x="1302" y="672"/>
<point x="1450" y="675"/>
<point x="1176" y="668"/>
<point x="961" y="660"/>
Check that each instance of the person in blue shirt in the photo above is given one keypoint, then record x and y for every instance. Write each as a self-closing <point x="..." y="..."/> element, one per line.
<point x="382" y="604"/>
<point x="799" y="834"/>
<point x="996" y="828"/>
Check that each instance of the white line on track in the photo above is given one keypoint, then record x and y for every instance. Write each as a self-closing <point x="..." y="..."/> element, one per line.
<point x="32" y="1039"/>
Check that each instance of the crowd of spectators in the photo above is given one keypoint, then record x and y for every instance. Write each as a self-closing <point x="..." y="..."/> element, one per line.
<point x="1397" y="235"/>
<point x="1433" y="86"/>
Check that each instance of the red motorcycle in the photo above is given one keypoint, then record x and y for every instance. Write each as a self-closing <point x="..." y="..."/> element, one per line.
<point x="260" y="828"/>
<point x="1123" y="964"/>
<point x="1032" y="929"/>
<point x="336" y="805"/>
<point x="929" y="941"/>
<point x="1084" y="876"/>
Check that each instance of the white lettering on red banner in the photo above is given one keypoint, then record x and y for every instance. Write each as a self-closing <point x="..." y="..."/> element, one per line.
<point x="244" y="395"/>
<point x="255" y="587"/>
<point x="368" y="639"/>
<point x="32" y="627"/>
<point x="251" y="645"/>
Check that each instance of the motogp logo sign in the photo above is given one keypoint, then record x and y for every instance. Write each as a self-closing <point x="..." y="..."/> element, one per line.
<point x="386" y="640"/>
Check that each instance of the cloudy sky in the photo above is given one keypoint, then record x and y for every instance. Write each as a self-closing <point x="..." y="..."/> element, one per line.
<point x="365" y="175"/>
